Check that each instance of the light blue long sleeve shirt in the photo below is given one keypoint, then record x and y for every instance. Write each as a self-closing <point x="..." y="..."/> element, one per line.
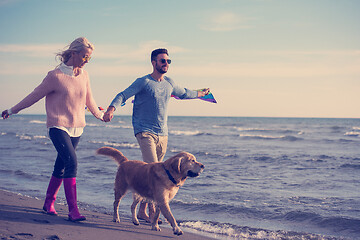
<point x="150" y="103"/>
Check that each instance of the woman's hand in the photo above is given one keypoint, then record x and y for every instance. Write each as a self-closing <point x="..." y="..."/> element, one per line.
<point x="109" y="114"/>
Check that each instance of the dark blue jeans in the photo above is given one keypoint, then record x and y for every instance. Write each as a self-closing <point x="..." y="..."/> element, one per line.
<point x="66" y="161"/>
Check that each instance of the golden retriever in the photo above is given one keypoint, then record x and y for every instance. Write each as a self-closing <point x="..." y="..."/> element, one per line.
<point x="158" y="182"/>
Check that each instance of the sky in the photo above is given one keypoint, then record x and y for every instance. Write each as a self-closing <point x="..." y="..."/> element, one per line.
<point x="260" y="58"/>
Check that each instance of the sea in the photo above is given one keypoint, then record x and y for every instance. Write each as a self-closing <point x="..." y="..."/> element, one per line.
<point x="264" y="178"/>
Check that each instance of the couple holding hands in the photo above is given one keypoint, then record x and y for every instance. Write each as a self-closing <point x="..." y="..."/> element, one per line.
<point x="67" y="91"/>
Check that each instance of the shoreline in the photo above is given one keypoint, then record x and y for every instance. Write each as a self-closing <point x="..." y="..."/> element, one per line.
<point x="21" y="217"/>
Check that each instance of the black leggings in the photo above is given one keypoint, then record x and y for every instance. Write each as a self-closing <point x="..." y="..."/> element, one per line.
<point x="66" y="161"/>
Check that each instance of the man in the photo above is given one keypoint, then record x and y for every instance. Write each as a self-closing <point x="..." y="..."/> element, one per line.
<point x="152" y="93"/>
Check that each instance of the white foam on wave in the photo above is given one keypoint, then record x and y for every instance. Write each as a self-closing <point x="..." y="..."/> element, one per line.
<point x="186" y="133"/>
<point x="24" y="137"/>
<point x="251" y="129"/>
<point x="93" y="125"/>
<point x="261" y="136"/>
<point x="352" y="134"/>
<point x="38" y="121"/>
<point x="118" y="126"/>
<point x="231" y="232"/>
<point x="124" y="145"/>
<point x="225" y="230"/>
<point x="28" y="137"/>
<point x="107" y="126"/>
<point x="40" y="137"/>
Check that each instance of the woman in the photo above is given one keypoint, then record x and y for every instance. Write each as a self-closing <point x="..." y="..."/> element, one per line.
<point x="66" y="90"/>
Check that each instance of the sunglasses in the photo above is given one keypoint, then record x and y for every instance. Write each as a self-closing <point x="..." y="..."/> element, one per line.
<point x="165" y="60"/>
<point x="86" y="59"/>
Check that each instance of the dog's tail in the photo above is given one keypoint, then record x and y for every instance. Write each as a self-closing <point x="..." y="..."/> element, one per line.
<point x="112" y="152"/>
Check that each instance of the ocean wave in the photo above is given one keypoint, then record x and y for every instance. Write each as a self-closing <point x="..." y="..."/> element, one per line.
<point x="119" y="126"/>
<point x="22" y="174"/>
<point x="230" y="231"/>
<point x="240" y="211"/>
<point x="5" y="171"/>
<point x="335" y="224"/>
<point x="332" y="224"/>
<point x="120" y="145"/>
<point x="30" y="137"/>
<point x="100" y="172"/>
<point x="352" y="134"/>
<point x="342" y="140"/>
<point x="108" y="126"/>
<point x="351" y="166"/>
<point x="264" y="158"/>
<point x="93" y="125"/>
<point x="208" y="154"/>
<point x="38" y="122"/>
<point x="242" y="129"/>
<point x="40" y="137"/>
<point x="9" y="133"/>
<point x="280" y="131"/>
<point x="24" y="137"/>
<point x="218" y="155"/>
<point x="268" y="137"/>
<point x="291" y="138"/>
<point x="259" y="136"/>
<point x="185" y="133"/>
<point x="336" y="129"/>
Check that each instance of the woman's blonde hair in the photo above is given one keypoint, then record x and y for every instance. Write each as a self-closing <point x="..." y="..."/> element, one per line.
<point x="77" y="45"/>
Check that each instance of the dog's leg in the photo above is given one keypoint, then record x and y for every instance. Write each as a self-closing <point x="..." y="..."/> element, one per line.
<point x="136" y="199"/>
<point x="165" y="210"/>
<point x="151" y="207"/>
<point x="155" y="219"/>
<point x="119" y="194"/>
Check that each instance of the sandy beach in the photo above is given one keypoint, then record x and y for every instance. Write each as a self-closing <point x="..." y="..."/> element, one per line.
<point x="21" y="217"/>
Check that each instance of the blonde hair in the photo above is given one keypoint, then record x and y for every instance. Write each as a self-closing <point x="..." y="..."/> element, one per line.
<point x="77" y="45"/>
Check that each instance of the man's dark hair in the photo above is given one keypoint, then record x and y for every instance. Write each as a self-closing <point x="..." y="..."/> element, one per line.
<point x="157" y="52"/>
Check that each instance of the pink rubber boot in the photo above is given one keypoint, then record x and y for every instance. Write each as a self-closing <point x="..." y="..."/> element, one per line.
<point x="53" y="189"/>
<point x="70" y="193"/>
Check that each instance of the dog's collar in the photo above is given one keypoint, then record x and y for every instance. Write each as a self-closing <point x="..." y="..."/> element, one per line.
<point x="171" y="177"/>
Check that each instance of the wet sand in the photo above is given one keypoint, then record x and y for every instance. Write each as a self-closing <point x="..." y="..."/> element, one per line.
<point x="22" y="217"/>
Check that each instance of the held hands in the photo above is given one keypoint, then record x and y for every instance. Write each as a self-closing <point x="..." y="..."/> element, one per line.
<point x="109" y="114"/>
<point x="203" y="92"/>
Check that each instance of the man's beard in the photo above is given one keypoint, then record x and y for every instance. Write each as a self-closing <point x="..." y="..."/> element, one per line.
<point x="159" y="69"/>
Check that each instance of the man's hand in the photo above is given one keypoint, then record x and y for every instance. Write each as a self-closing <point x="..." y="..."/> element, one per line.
<point x="109" y="114"/>
<point x="203" y="92"/>
<point x="5" y="114"/>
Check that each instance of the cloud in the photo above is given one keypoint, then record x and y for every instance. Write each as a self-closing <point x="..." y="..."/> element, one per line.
<point x="111" y="59"/>
<point x="118" y="60"/>
<point x="223" y="22"/>
<point x="102" y="51"/>
<point x="134" y="53"/>
<point x="260" y="70"/>
<point x="33" y="50"/>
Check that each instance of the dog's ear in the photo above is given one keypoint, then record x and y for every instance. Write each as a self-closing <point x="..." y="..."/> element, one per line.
<point x="175" y="165"/>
